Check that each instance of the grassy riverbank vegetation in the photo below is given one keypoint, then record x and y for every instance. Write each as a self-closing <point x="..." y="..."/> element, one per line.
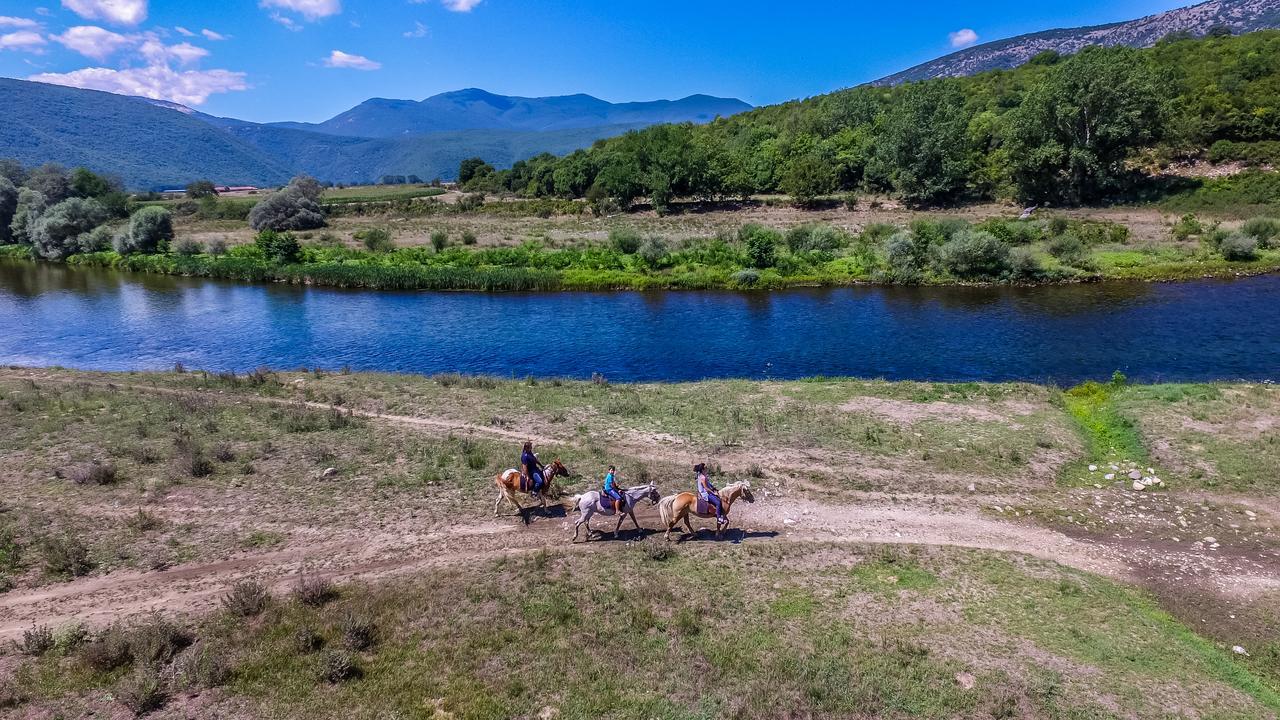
<point x="102" y="471"/>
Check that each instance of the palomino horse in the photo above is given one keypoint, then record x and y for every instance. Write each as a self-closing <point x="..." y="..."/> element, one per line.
<point x="588" y="504"/>
<point x="675" y="508"/>
<point x="509" y="485"/>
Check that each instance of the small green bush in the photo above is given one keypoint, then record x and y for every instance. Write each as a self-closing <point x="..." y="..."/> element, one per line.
<point x="188" y="247"/>
<point x="1265" y="230"/>
<point x="376" y="240"/>
<point x="246" y="598"/>
<point x="157" y="640"/>
<point x="358" y="632"/>
<point x="37" y="641"/>
<point x="142" y="691"/>
<point x="92" y="473"/>
<point x="439" y="240"/>
<point x="1024" y="265"/>
<point x="816" y="238"/>
<point x="65" y="556"/>
<point x="1188" y="226"/>
<point x="974" y="254"/>
<point x="108" y="651"/>
<point x="652" y="252"/>
<point x="150" y="231"/>
<point x="900" y="255"/>
<point x="314" y="591"/>
<point x="761" y="245"/>
<point x="338" y="666"/>
<point x="625" y="240"/>
<point x="1238" y="247"/>
<point x="1070" y="249"/>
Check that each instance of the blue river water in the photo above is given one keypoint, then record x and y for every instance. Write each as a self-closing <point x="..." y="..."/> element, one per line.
<point x="1199" y="330"/>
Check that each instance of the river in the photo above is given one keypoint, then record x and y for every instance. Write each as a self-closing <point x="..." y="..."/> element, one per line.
<point x="1199" y="330"/>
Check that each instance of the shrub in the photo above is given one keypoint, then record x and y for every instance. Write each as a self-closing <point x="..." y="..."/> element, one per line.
<point x="468" y="238"/>
<point x="108" y="651"/>
<point x="376" y="240"/>
<point x="150" y="231"/>
<point x="1024" y="265"/>
<point x="37" y="641"/>
<point x="142" y="691"/>
<point x="306" y="640"/>
<point x="975" y="254"/>
<point x="66" y="556"/>
<point x="157" y="640"/>
<point x="188" y="247"/>
<point x="816" y="238"/>
<point x="201" y="666"/>
<point x="70" y="637"/>
<point x="93" y="473"/>
<point x="217" y="247"/>
<point x="900" y="255"/>
<point x="1070" y="249"/>
<point x="746" y="278"/>
<point x="314" y="591"/>
<point x="96" y="240"/>
<point x="358" y="632"/>
<point x="246" y="598"/>
<point x="761" y="244"/>
<point x="296" y="207"/>
<point x="439" y="239"/>
<point x="625" y="240"/>
<point x="1263" y="229"/>
<point x="280" y="247"/>
<point x="1058" y="225"/>
<point x="338" y="666"/>
<point x="1186" y="227"/>
<point x="470" y="202"/>
<point x="1238" y="246"/>
<point x="652" y="252"/>
<point x="56" y="233"/>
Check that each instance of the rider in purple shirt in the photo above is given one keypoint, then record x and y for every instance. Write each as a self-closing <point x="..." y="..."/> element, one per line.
<point x="532" y="468"/>
<point x="708" y="492"/>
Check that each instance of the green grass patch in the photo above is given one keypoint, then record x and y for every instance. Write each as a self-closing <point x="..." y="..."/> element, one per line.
<point x="1109" y="436"/>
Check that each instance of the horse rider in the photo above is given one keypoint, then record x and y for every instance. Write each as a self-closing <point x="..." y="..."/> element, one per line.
<point x="611" y="489"/>
<point x="531" y="469"/>
<point x="709" y="493"/>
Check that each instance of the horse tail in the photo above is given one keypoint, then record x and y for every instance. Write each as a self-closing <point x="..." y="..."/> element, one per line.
<point x="666" y="507"/>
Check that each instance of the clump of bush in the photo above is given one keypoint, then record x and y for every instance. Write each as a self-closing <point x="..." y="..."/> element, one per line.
<point x="1263" y="229"/>
<point x="246" y="598"/>
<point x="652" y="252"/>
<point x="625" y="240"/>
<point x="188" y="247"/>
<point x="201" y="666"/>
<point x="37" y="641"/>
<point x="296" y="207"/>
<point x="65" y="556"/>
<point x="376" y="240"/>
<point x="108" y="651"/>
<point x="900" y="254"/>
<point x="761" y="245"/>
<point x="1070" y="250"/>
<point x="150" y="231"/>
<point x="55" y="234"/>
<point x="142" y="691"/>
<point x="338" y="666"/>
<point x="314" y="591"/>
<point x="1238" y="247"/>
<point x="975" y="254"/>
<point x="358" y="632"/>
<point x="157" y="641"/>
<point x="816" y="238"/>
<point x="280" y="247"/>
<point x="92" y="473"/>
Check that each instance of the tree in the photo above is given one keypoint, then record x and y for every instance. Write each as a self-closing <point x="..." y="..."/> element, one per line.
<point x="51" y="181"/>
<point x="14" y="171"/>
<point x="296" y="207"/>
<point x="87" y="184"/>
<point x="281" y="247"/>
<point x="201" y="189"/>
<point x="472" y="168"/>
<point x="56" y="233"/>
<point x="28" y="209"/>
<point x="8" y="206"/>
<point x="923" y="150"/>
<point x="762" y="245"/>
<point x="807" y="177"/>
<point x="150" y="231"/>
<point x="1069" y="139"/>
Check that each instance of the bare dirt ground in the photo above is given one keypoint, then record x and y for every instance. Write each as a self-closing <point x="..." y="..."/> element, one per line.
<point x="1213" y="559"/>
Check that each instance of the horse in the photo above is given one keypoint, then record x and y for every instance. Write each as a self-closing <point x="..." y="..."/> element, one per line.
<point x="508" y="483"/>
<point x="675" y="508"/>
<point x="588" y="504"/>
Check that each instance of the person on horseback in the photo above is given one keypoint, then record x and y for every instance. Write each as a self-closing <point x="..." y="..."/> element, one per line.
<point x="709" y="493"/>
<point x="611" y="489"/>
<point x="532" y="469"/>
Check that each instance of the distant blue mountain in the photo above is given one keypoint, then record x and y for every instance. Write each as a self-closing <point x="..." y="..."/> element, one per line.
<point x="474" y="109"/>
<point x="151" y="144"/>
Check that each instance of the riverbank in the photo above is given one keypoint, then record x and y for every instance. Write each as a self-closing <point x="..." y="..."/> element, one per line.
<point x="355" y="512"/>
<point x="911" y="250"/>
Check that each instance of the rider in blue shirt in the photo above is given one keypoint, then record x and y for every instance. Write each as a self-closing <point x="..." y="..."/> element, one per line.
<point x="532" y="468"/>
<point x="708" y="492"/>
<point x="611" y="489"/>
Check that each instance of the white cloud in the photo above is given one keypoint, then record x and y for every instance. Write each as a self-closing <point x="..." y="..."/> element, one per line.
<point x="23" y="40"/>
<point x="17" y="22"/>
<point x="157" y="53"/>
<point x="310" y="9"/>
<point x="419" y="31"/>
<point x="461" y="5"/>
<point x="184" y="32"/>
<point x="286" y="21"/>
<point x="210" y="34"/>
<point x="339" y="59"/>
<point x="158" y="82"/>
<point x="963" y="38"/>
<point x="92" y="41"/>
<point x="123" y="12"/>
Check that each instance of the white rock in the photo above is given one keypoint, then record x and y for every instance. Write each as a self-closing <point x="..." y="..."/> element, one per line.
<point x="1151" y="471"/>
<point x="1109" y="476"/>
<point x="965" y="680"/>
<point x="1093" y="468"/>
<point x="329" y="472"/>
<point x="788" y="521"/>
<point x="1135" y="474"/>
<point x="1250" y="514"/>
<point x="1239" y="651"/>
<point x="1211" y="539"/>
<point x="972" y="487"/>
<point x="1137" y="485"/>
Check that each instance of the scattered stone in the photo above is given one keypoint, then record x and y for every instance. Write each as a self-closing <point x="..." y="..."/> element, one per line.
<point x="1135" y="474"/>
<point x="966" y="680"/>
<point x="1109" y="476"/>
<point x="972" y="487"/>
<point x="1251" y="514"/>
<point x="788" y="521"/>
<point x="329" y="472"/>
<point x="1137" y="485"/>
<point x="1211" y="540"/>
<point x="1239" y="651"/>
<point x="1093" y="468"/>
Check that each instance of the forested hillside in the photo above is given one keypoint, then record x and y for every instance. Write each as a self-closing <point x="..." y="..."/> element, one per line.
<point x="1066" y="130"/>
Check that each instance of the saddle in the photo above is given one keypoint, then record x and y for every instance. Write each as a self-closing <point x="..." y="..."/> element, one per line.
<point x="606" y="504"/>
<point x="705" y="508"/>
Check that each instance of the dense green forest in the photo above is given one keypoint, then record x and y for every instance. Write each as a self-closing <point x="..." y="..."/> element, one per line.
<point x="1086" y="128"/>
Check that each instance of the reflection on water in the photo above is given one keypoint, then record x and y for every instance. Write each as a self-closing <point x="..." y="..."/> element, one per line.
<point x="51" y="314"/>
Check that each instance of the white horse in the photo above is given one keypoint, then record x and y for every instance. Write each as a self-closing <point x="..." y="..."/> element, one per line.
<point x="588" y="504"/>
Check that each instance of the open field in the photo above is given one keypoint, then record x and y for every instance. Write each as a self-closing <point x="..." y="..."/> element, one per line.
<point x="915" y="549"/>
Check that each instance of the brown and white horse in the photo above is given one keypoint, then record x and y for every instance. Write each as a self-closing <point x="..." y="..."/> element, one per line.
<point x="508" y="483"/>
<point x="675" y="508"/>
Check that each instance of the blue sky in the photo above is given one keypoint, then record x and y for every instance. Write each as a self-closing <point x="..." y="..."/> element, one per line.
<point x="266" y="60"/>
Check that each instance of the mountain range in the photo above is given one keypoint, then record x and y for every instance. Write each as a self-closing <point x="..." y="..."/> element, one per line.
<point x="1240" y="16"/>
<point x="152" y="144"/>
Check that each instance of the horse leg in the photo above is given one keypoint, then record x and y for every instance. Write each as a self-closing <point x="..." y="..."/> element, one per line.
<point x="616" y="528"/>
<point x="582" y="517"/>
<point x="515" y="501"/>
<point x="498" y="502"/>
<point x="634" y="521"/>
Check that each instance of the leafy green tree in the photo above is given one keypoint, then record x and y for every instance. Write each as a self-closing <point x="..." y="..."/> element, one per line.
<point x="473" y="168"/>
<point x="51" y="181"/>
<point x="150" y="231"/>
<point x="808" y="177"/>
<point x="922" y="148"/>
<point x="13" y="171"/>
<point x="1069" y="139"/>
<point x="8" y="206"/>
<point x="762" y="245"/>
<point x="56" y="234"/>
<point x="31" y="203"/>
<point x="87" y="184"/>
<point x="201" y="189"/>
